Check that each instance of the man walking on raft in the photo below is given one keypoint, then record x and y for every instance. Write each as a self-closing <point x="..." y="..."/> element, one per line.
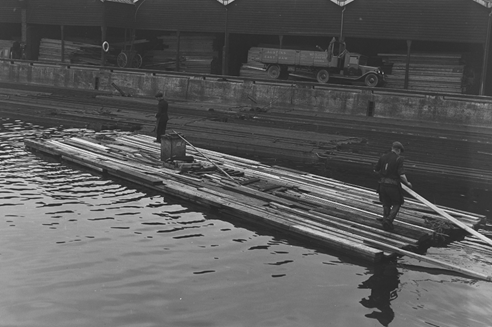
<point x="392" y="173"/>
<point x="162" y="116"/>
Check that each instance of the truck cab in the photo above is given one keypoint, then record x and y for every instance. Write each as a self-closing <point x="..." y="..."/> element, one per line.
<point x="356" y="66"/>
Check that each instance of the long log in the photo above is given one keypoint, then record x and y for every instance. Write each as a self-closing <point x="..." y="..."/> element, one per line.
<point x="446" y="215"/>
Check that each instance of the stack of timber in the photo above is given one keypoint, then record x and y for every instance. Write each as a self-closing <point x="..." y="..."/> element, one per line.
<point x="324" y="211"/>
<point x="427" y="72"/>
<point x="253" y="68"/>
<point x="196" y="53"/>
<point x="74" y="52"/>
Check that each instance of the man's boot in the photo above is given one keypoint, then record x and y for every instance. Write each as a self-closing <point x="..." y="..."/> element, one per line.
<point x="388" y="221"/>
<point x="386" y="212"/>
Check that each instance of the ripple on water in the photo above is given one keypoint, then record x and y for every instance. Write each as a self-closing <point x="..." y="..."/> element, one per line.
<point x="80" y="250"/>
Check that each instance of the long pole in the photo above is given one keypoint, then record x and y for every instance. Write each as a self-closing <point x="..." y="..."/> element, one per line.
<point x="221" y="170"/>
<point x="446" y="215"/>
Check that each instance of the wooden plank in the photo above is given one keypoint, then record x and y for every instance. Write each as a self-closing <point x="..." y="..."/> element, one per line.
<point x="83" y="164"/>
<point x="340" y="243"/>
<point x="133" y="175"/>
<point x="354" y="227"/>
<point x="446" y="215"/>
<point x="355" y="214"/>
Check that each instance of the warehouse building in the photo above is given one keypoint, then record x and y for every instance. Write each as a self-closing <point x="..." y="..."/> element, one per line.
<point x="440" y="45"/>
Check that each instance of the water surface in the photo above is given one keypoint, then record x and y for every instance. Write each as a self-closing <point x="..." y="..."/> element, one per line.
<point x="77" y="249"/>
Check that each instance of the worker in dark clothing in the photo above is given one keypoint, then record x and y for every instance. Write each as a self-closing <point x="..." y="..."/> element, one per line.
<point x="392" y="174"/>
<point x="162" y="116"/>
<point x="16" y="51"/>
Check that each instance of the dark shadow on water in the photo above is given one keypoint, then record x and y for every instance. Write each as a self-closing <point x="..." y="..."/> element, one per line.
<point x="384" y="289"/>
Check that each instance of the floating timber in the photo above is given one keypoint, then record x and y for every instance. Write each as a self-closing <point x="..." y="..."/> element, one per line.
<point x="325" y="211"/>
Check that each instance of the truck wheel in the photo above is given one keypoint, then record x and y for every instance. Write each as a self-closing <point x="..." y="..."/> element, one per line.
<point x="372" y="80"/>
<point x="274" y="71"/>
<point x="323" y="76"/>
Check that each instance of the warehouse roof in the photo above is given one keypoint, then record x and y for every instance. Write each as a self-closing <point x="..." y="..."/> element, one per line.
<point x="342" y="3"/>
<point x="131" y="2"/>
<point x="485" y="3"/>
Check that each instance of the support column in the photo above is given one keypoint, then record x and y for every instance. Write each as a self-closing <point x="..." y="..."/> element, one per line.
<point x="407" y="66"/>
<point x="103" y="39"/>
<point x="62" y="30"/>
<point x="24" y="25"/>
<point x="178" y="50"/>
<point x="225" y="50"/>
<point x="25" y="31"/>
<point x="486" y="52"/>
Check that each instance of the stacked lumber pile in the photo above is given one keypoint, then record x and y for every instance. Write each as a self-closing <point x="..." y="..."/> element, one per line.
<point x="253" y="68"/>
<point x="75" y="52"/>
<point x="338" y="215"/>
<point x="427" y="72"/>
<point x="196" y="53"/>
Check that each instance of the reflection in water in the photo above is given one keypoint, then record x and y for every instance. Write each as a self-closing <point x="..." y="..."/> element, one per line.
<point x="383" y="285"/>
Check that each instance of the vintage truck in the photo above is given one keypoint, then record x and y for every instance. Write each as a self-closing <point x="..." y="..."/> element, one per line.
<point x="335" y="63"/>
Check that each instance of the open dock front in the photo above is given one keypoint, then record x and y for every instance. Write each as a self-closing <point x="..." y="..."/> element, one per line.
<point x="321" y="210"/>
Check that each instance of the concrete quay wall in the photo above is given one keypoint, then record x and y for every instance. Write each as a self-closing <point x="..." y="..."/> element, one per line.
<point x="359" y="101"/>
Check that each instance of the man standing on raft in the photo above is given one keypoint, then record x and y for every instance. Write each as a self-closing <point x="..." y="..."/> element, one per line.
<point x="161" y="116"/>
<point x="392" y="174"/>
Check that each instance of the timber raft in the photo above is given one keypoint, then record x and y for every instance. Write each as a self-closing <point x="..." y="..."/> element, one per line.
<point x="336" y="215"/>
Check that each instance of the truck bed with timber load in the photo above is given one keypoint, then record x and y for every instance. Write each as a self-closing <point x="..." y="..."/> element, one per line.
<point x="335" y="63"/>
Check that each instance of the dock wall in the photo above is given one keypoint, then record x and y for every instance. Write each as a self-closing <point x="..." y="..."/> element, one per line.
<point x="359" y="101"/>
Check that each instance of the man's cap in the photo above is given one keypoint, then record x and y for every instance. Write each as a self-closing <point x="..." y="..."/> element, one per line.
<point x="159" y="95"/>
<point x="398" y="145"/>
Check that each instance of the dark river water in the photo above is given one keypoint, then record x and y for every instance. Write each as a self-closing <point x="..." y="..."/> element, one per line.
<point x="77" y="249"/>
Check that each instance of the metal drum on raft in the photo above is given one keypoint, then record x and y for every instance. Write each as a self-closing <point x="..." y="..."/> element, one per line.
<point x="172" y="146"/>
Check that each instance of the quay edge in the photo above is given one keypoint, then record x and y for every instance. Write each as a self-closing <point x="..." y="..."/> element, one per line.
<point x="335" y="99"/>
